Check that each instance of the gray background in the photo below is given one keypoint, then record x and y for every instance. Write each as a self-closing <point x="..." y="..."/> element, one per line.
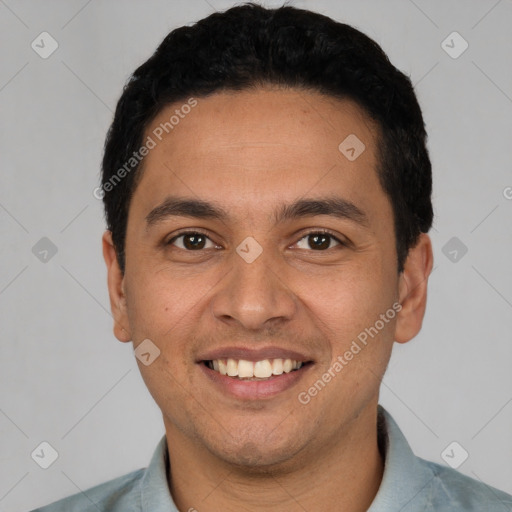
<point x="66" y="380"/>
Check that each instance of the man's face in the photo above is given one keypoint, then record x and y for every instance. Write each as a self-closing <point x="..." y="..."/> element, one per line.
<point x="307" y="296"/>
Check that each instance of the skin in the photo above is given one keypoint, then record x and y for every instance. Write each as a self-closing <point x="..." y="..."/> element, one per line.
<point x="250" y="152"/>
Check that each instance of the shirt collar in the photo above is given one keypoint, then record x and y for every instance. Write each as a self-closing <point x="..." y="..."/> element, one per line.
<point x="155" y="494"/>
<point x="405" y="480"/>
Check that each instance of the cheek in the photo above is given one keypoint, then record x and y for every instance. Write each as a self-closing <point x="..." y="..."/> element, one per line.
<point x="160" y="308"/>
<point x="349" y="301"/>
<point x="158" y="303"/>
<point x="348" y="310"/>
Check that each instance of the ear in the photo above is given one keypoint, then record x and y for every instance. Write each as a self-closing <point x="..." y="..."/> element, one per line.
<point x="412" y="289"/>
<point x="116" y="289"/>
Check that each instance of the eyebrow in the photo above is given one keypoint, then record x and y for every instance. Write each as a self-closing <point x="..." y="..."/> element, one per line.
<point x="200" y="209"/>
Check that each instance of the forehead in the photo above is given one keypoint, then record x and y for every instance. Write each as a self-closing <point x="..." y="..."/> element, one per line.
<point x="258" y="146"/>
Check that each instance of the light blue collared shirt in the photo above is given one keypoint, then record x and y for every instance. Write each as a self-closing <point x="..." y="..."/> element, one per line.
<point x="409" y="484"/>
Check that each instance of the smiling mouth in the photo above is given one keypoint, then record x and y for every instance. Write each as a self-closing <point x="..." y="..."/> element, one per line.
<point x="242" y="369"/>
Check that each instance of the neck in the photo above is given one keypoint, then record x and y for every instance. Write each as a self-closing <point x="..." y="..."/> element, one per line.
<point x="344" y="476"/>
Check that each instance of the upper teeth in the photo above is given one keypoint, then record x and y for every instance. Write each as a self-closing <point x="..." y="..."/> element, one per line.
<point x="249" y="369"/>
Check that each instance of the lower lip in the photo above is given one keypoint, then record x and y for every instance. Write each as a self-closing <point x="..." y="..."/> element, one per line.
<point x="255" y="389"/>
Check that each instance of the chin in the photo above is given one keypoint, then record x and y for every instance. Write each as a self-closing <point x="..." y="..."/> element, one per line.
<point x="258" y="453"/>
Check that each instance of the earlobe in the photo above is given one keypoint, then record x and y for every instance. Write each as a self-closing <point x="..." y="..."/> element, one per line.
<point x="412" y="289"/>
<point x="115" y="280"/>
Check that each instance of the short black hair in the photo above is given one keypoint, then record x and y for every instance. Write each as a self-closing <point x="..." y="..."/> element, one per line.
<point x="249" y="46"/>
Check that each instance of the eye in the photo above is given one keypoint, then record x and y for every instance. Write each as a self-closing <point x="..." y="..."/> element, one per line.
<point x="191" y="241"/>
<point x="318" y="241"/>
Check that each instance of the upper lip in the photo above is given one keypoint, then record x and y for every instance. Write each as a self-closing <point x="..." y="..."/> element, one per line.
<point x="253" y="354"/>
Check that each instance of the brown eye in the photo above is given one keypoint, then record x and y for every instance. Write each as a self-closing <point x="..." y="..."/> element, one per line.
<point x="318" y="241"/>
<point x="191" y="241"/>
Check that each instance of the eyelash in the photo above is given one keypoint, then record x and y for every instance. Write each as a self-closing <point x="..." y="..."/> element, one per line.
<point x="305" y="235"/>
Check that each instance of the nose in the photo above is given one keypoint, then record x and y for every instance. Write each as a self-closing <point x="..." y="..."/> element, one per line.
<point x="254" y="295"/>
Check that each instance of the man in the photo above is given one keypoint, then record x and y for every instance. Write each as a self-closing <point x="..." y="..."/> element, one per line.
<point x="267" y="193"/>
